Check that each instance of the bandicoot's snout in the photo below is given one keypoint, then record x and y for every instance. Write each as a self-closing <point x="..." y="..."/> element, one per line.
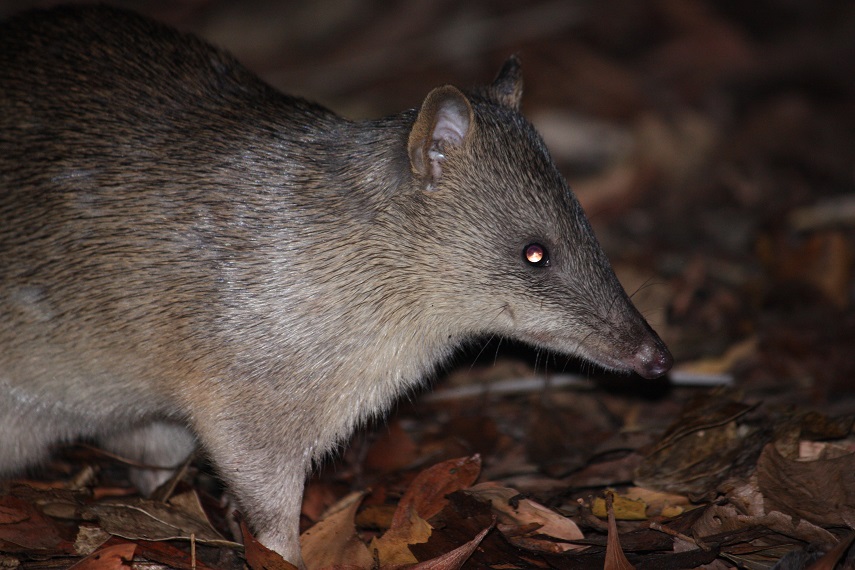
<point x="652" y="359"/>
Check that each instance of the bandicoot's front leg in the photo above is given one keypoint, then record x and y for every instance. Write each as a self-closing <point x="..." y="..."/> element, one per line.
<point x="266" y="472"/>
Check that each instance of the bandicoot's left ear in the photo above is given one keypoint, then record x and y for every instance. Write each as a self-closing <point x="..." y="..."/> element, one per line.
<point x="507" y="88"/>
<point x="444" y="121"/>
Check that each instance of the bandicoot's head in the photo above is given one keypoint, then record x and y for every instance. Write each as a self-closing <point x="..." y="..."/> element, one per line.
<point x="506" y="241"/>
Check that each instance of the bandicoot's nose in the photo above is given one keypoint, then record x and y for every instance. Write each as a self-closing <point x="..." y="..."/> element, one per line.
<point x="652" y="360"/>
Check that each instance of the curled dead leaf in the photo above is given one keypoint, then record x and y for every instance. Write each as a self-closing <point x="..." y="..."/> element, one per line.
<point x="515" y="512"/>
<point x="426" y="494"/>
<point x="615" y="558"/>
<point x="135" y="518"/>
<point x="452" y="560"/>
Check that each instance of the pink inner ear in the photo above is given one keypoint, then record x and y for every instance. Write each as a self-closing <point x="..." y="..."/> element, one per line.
<point x="452" y="122"/>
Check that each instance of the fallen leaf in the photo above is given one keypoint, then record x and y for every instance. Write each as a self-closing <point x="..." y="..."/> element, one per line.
<point x="465" y="517"/>
<point x="12" y="513"/>
<point x="622" y="508"/>
<point x="792" y="526"/>
<point x="116" y="557"/>
<point x="258" y="556"/>
<point x="424" y="498"/>
<point x="454" y="559"/>
<point x="658" y="503"/>
<point x="168" y="555"/>
<point x="702" y="413"/>
<point x="823" y="450"/>
<point x="22" y="524"/>
<point x="333" y="540"/>
<point x="426" y="494"/>
<point x="830" y="558"/>
<point x="820" y="426"/>
<point x="189" y="504"/>
<point x="718" y="519"/>
<point x="376" y="516"/>
<point x="515" y="512"/>
<point x="393" y="547"/>
<point x="142" y="519"/>
<point x="821" y="491"/>
<point x="89" y="539"/>
<point x="705" y="446"/>
<point x="727" y="519"/>
<point x="615" y="558"/>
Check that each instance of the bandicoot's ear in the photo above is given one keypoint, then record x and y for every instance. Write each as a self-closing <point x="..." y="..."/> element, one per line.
<point x="507" y="88"/>
<point x="444" y="121"/>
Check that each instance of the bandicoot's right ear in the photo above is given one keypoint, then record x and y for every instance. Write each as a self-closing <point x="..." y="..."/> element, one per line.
<point x="507" y="88"/>
<point x="444" y="122"/>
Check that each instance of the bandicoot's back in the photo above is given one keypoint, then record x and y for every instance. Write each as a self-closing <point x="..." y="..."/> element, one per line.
<point x="188" y="254"/>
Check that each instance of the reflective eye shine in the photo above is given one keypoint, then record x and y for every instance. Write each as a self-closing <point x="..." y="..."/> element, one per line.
<point x="536" y="255"/>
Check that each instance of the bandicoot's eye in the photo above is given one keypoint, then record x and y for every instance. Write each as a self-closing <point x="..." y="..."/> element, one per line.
<point x="536" y="255"/>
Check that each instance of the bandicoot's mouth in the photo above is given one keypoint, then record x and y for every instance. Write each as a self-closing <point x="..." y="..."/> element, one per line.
<point x="649" y="359"/>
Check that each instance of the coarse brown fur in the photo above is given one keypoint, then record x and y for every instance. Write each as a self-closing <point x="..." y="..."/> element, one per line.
<point x="182" y="246"/>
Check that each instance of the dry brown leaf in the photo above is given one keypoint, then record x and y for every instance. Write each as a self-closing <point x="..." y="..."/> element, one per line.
<point x="622" y="508"/>
<point x="792" y="526"/>
<point x="376" y="516"/>
<point x="822" y="491"/>
<point x="426" y="494"/>
<point x="615" y="558"/>
<point x="333" y="539"/>
<point x="830" y="558"/>
<point x="424" y="498"/>
<point x="393" y="547"/>
<point x="116" y="557"/>
<point x="702" y="448"/>
<point x="11" y="512"/>
<point x="515" y="512"/>
<point x="704" y="412"/>
<point x="166" y="554"/>
<point x="718" y="519"/>
<point x="142" y="519"/>
<point x="21" y="523"/>
<point x="745" y="496"/>
<point x="454" y="559"/>
<point x="658" y="503"/>
<point x="89" y="539"/>
<point x="258" y="556"/>
<point x="190" y="504"/>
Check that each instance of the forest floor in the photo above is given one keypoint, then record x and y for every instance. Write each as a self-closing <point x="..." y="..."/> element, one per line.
<point x="712" y="144"/>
